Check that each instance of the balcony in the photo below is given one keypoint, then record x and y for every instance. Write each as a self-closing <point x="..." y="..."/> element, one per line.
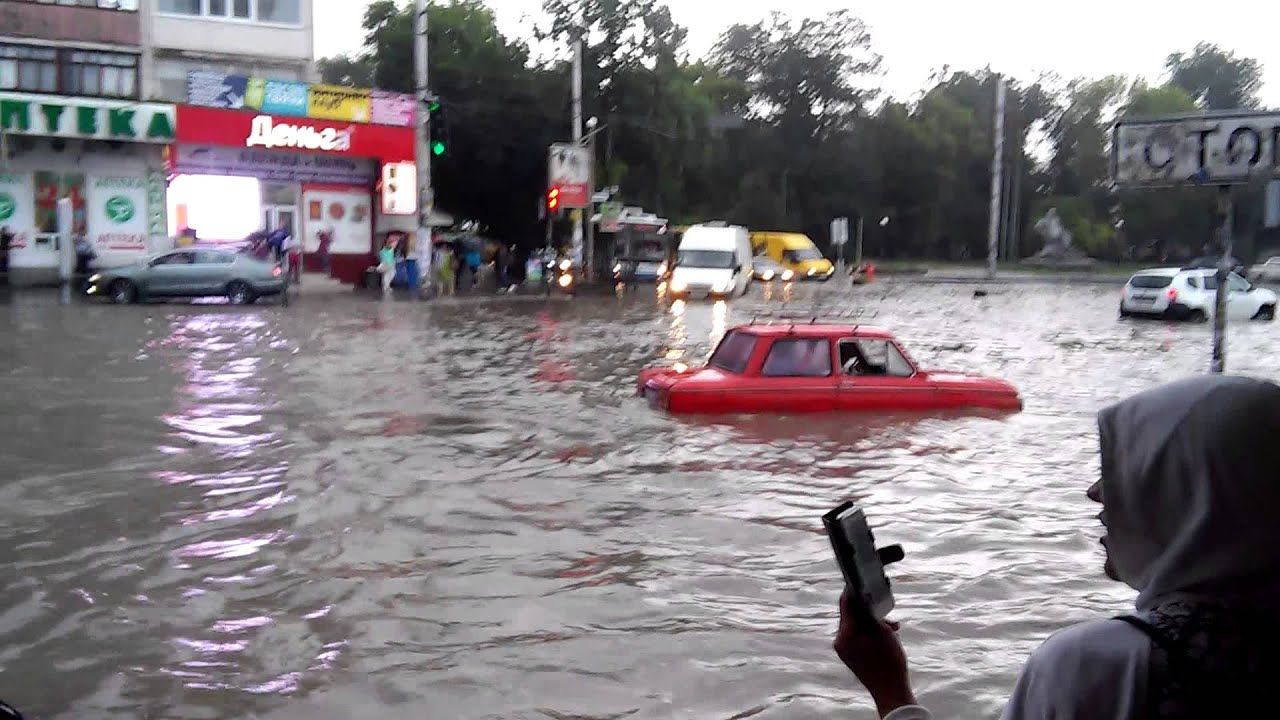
<point x="108" y="22"/>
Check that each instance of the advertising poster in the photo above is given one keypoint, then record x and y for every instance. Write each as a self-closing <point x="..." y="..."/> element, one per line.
<point x="52" y="187"/>
<point x="332" y="102"/>
<point x="277" y="97"/>
<point x="388" y="108"/>
<point x="209" y="89"/>
<point x="17" y="207"/>
<point x="118" y="214"/>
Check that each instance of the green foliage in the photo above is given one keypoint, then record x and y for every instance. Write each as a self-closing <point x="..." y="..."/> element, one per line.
<point x="778" y="128"/>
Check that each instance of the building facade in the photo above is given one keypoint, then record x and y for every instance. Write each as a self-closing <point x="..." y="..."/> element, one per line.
<point x="74" y="125"/>
<point x="271" y="39"/>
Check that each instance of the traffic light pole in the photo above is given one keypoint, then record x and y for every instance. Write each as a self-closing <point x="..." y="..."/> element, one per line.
<point x="426" y="194"/>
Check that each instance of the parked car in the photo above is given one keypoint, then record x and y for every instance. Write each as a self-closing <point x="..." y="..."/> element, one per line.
<point x="1268" y="271"/>
<point x="190" y="272"/>
<point x="1181" y="294"/>
<point x="816" y="368"/>
<point x="766" y="270"/>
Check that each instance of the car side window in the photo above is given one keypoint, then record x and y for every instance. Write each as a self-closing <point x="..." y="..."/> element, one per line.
<point x="209" y="257"/>
<point x="1235" y="283"/>
<point x="874" y="357"/>
<point x="798" y="358"/>
<point x="178" y="258"/>
<point x="1194" y="282"/>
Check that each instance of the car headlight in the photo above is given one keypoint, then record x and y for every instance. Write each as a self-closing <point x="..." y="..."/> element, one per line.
<point x="565" y="265"/>
<point x="679" y="286"/>
<point x="788" y="276"/>
<point x="767" y="276"/>
<point x="813" y="271"/>
<point x="95" y="278"/>
<point x="617" y="268"/>
<point x="566" y="281"/>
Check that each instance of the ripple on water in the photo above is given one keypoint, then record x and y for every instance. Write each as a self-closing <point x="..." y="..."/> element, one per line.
<point x="352" y="508"/>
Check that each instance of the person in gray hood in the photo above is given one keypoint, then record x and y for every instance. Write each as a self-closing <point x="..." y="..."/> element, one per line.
<point x="1190" y="491"/>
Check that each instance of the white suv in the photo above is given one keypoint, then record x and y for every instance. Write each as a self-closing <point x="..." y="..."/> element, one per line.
<point x="1190" y="295"/>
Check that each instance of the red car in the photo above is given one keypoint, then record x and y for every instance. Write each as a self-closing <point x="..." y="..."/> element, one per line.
<point x="816" y="368"/>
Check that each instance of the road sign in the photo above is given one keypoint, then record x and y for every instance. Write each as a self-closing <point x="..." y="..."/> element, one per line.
<point x="569" y="168"/>
<point x="1218" y="149"/>
<point x="840" y="231"/>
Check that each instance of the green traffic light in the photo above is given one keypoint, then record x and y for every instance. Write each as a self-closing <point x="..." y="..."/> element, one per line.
<point x="437" y="148"/>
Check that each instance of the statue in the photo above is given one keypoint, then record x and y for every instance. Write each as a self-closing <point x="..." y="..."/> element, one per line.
<point x="1057" y="251"/>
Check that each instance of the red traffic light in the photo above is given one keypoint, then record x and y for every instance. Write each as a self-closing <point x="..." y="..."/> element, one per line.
<point x="553" y="199"/>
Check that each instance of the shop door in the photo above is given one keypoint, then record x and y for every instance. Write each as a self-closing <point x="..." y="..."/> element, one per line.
<point x="281" y="216"/>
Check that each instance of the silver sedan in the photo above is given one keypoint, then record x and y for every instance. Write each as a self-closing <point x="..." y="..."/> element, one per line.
<point x="190" y="272"/>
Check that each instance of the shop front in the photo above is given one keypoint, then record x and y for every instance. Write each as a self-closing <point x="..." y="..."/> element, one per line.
<point x="234" y="173"/>
<point x="104" y="156"/>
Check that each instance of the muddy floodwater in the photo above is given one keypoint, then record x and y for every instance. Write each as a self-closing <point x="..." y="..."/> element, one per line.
<point x="348" y="508"/>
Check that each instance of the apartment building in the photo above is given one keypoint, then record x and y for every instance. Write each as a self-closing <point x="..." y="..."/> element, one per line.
<point x="271" y="39"/>
<point x="75" y="127"/>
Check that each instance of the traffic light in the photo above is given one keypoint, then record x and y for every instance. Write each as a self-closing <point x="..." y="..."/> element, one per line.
<point x="553" y="199"/>
<point x="439" y="128"/>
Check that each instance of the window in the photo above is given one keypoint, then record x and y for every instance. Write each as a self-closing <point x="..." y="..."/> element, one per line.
<point x="178" y="258"/>
<point x="873" y="357"/>
<point x="29" y="68"/>
<point x="210" y="257"/>
<point x="715" y="259"/>
<point x="734" y="352"/>
<point x="180" y="7"/>
<point x="1235" y="283"/>
<point x="798" y="358"/>
<point x="98" y="73"/>
<point x="1151" y="281"/>
<point x="273" y="11"/>
<point x="801" y="255"/>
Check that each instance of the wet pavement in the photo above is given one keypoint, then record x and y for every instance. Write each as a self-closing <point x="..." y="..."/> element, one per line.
<point x="350" y="508"/>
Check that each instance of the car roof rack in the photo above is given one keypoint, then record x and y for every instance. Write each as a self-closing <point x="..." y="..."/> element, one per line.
<point x="785" y="318"/>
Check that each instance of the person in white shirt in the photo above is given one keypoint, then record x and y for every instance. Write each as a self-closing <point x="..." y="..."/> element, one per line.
<point x="1190" y="490"/>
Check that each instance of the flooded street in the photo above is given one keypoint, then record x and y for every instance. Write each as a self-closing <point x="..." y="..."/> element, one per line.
<point x="348" y="508"/>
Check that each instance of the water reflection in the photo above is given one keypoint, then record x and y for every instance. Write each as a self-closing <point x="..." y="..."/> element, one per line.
<point x="213" y="509"/>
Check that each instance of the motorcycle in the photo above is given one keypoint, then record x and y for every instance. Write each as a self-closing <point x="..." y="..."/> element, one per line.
<point x="562" y="276"/>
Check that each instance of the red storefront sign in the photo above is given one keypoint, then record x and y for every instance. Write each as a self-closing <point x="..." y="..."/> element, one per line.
<point x="234" y="128"/>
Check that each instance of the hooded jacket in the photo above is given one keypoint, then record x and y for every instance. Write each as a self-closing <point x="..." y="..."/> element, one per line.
<point x="1191" y="503"/>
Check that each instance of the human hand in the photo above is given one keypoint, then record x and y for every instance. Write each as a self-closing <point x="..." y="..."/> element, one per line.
<point x="875" y="656"/>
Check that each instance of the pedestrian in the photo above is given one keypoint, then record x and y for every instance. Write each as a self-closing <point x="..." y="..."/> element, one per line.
<point x="325" y="238"/>
<point x="445" y="270"/>
<point x="278" y="240"/>
<point x="387" y="264"/>
<point x="1189" y="505"/>
<point x="6" y="242"/>
<point x="85" y="254"/>
<point x="473" y="265"/>
<point x="293" y="252"/>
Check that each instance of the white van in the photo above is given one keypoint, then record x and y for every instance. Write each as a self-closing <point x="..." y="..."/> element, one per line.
<point x="714" y="259"/>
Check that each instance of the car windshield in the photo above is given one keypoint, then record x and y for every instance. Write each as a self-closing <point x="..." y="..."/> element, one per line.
<point x="734" y="352"/>
<point x="1151" y="281"/>
<point x="716" y="259"/>
<point x="802" y="254"/>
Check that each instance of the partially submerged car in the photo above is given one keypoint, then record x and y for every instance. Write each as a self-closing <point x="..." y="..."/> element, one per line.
<point x="816" y="368"/>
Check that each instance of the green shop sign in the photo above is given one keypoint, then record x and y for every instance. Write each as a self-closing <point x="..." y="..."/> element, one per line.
<point x="87" y="118"/>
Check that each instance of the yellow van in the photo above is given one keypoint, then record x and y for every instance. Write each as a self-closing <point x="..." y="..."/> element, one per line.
<point x="795" y="252"/>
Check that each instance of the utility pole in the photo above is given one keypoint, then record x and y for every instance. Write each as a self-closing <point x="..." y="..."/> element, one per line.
<point x="1219" y="364"/>
<point x="426" y="195"/>
<point x="997" y="182"/>
<point x="577" y="135"/>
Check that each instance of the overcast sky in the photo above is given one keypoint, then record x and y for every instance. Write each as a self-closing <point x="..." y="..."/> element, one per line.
<point x="1082" y="38"/>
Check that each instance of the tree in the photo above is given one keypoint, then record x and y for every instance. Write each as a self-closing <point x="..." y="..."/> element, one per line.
<point x="502" y="113"/>
<point x="1216" y="79"/>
